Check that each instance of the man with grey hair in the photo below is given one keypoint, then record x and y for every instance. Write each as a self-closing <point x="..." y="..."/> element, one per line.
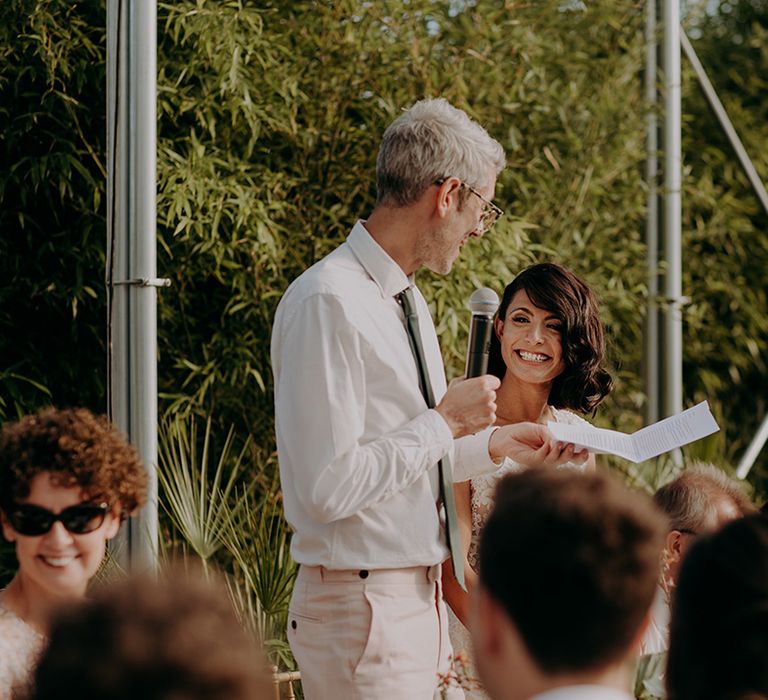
<point x="698" y="502"/>
<point x="367" y="428"/>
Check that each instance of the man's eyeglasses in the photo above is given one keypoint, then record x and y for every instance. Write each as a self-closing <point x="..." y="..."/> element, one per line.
<point x="34" y="521"/>
<point x="491" y="213"/>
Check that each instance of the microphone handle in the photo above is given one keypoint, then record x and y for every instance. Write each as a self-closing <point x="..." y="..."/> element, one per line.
<point x="479" y="346"/>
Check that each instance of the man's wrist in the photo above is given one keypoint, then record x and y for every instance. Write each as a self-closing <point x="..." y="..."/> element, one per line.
<point x="496" y="455"/>
<point x="443" y="427"/>
<point x="451" y="426"/>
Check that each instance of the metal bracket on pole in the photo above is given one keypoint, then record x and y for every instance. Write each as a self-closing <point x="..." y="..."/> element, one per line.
<point x="672" y="301"/>
<point x="146" y="282"/>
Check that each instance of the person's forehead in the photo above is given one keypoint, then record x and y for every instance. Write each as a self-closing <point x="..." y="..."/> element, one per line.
<point x="725" y="511"/>
<point x="521" y="300"/>
<point x="722" y="510"/>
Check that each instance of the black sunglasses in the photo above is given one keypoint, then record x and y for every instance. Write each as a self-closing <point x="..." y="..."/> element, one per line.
<point x="79" y="519"/>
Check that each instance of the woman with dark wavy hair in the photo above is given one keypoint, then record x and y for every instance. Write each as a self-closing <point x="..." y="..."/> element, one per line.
<point x="578" y="380"/>
<point x="548" y="349"/>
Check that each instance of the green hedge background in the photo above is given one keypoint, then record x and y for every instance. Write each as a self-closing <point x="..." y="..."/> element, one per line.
<point x="269" y="117"/>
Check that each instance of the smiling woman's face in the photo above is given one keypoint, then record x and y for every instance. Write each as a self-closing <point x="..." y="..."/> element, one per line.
<point x="531" y="342"/>
<point x="59" y="563"/>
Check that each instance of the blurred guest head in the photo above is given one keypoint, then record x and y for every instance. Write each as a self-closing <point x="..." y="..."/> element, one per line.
<point x="568" y="567"/>
<point x="155" y="640"/>
<point x="699" y="501"/>
<point x="719" y="632"/>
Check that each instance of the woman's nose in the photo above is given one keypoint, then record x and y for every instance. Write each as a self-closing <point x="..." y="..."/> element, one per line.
<point x="58" y="534"/>
<point x="534" y="333"/>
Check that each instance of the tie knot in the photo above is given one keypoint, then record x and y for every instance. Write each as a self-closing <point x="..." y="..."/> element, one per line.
<point x="406" y="300"/>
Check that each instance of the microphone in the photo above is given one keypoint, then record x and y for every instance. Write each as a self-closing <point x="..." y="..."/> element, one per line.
<point x="483" y="304"/>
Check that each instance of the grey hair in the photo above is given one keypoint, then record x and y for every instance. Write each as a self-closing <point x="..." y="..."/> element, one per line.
<point x="432" y="140"/>
<point x="690" y="499"/>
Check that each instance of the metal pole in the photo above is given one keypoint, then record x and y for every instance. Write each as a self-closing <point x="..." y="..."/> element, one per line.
<point x="651" y="330"/>
<point x="131" y="273"/>
<point x="753" y="450"/>
<point x="672" y="245"/>
<point x="758" y="441"/>
<point x="725" y="122"/>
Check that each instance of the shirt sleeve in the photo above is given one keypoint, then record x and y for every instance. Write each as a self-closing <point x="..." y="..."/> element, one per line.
<point x="472" y="457"/>
<point x="320" y="409"/>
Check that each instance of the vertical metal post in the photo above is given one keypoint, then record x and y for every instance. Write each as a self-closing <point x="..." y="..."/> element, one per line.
<point x="672" y="372"/>
<point x="651" y="329"/>
<point x="131" y="232"/>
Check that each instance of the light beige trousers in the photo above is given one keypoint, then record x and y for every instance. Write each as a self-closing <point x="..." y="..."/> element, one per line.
<point x="370" y="635"/>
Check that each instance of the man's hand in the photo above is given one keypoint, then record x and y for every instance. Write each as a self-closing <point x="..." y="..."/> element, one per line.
<point x="533" y="445"/>
<point x="469" y="405"/>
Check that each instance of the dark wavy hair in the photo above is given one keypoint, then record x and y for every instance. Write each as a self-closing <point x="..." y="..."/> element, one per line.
<point x="584" y="382"/>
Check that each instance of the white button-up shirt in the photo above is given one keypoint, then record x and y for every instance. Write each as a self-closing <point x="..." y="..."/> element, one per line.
<point x="656" y="637"/>
<point x="357" y="446"/>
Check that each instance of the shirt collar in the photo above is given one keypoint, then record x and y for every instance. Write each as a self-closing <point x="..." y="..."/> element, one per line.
<point x="384" y="271"/>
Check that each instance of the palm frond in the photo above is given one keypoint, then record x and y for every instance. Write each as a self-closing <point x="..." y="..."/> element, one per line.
<point x="199" y="509"/>
<point x="257" y="537"/>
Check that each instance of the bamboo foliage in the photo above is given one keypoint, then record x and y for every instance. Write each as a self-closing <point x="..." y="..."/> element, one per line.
<point x="269" y="118"/>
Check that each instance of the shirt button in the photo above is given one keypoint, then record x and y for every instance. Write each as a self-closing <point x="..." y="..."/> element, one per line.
<point x="363" y="573"/>
<point x="293" y="624"/>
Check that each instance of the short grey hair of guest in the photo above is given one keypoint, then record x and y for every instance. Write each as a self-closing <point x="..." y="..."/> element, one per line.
<point x="430" y="141"/>
<point x="689" y="499"/>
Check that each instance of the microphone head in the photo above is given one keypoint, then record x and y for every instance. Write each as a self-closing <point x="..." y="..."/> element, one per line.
<point x="483" y="302"/>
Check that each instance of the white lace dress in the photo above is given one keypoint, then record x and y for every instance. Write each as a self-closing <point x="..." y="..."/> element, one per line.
<point x="482" y="489"/>
<point x="20" y="648"/>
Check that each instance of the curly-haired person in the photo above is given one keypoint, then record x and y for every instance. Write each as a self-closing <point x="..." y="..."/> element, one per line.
<point x="67" y="480"/>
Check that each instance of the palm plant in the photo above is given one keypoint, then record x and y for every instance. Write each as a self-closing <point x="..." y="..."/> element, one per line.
<point x="229" y="516"/>
<point x="199" y="508"/>
<point x="258" y="540"/>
